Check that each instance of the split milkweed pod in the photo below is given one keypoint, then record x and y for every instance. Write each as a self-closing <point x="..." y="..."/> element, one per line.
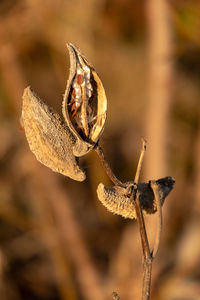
<point x="55" y="142"/>
<point x="85" y="104"/>
<point x="117" y="198"/>
<point x="48" y="137"/>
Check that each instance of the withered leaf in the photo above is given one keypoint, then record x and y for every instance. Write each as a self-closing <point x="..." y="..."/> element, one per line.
<point x="49" y="138"/>
<point x="117" y="199"/>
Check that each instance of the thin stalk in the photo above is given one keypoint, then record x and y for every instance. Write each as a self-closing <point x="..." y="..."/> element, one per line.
<point x="147" y="258"/>
<point x="106" y="166"/>
<point x="139" y="166"/>
<point x="155" y="188"/>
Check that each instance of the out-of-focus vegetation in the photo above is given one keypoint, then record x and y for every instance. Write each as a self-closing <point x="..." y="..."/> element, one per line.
<point x="56" y="239"/>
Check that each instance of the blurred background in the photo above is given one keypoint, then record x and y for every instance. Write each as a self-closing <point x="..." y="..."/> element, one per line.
<point x="56" y="239"/>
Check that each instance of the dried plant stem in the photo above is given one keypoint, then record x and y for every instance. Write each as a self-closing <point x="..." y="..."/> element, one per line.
<point x="106" y="166"/>
<point x="147" y="254"/>
<point x="140" y="218"/>
<point x="143" y="234"/>
<point x="155" y="189"/>
<point x="139" y="166"/>
<point x="147" y="257"/>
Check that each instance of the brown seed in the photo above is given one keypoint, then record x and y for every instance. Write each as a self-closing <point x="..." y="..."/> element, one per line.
<point x="73" y="93"/>
<point x="84" y="78"/>
<point x="79" y="79"/>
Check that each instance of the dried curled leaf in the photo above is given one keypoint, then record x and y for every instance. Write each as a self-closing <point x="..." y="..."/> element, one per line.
<point x="49" y="139"/>
<point x="85" y="103"/>
<point x="117" y="199"/>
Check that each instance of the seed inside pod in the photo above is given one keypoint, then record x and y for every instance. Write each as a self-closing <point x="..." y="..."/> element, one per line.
<point x="85" y="102"/>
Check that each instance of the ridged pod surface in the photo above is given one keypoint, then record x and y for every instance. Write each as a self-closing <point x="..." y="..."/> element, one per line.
<point x="117" y="199"/>
<point x="48" y="137"/>
<point x="56" y="142"/>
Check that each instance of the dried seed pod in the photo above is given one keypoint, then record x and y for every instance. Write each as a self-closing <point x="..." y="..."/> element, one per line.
<point x="85" y="103"/>
<point x="49" y="139"/>
<point x="117" y="199"/>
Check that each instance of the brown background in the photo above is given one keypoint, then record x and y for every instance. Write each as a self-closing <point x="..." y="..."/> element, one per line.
<point x="56" y="239"/>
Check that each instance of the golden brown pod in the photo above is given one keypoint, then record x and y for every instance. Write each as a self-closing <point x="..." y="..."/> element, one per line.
<point x="85" y="103"/>
<point x="117" y="199"/>
<point x="49" y="138"/>
<point x="54" y="143"/>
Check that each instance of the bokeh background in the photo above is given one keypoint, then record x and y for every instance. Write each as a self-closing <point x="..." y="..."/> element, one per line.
<point x="56" y="239"/>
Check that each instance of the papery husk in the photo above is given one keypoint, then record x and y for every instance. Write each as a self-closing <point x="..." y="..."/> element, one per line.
<point x="48" y="137"/>
<point x="118" y="201"/>
<point x="84" y="144"/>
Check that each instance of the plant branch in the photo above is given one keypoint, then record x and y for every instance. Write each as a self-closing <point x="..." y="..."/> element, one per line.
<point x="139" y="214"/>
<point x="155" y="189"/>
<point x="139" y="166"/>
<point x="142" y="228"/>
<point x="106" y="166"/>
<point x="147" y="257"/>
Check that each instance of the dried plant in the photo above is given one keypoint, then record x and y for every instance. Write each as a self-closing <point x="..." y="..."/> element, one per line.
<point x="57" y="142"/>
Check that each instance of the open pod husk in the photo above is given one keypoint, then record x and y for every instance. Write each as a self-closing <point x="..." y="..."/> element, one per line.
<point x="55" y="143"/>
<point x="85" y="103"/>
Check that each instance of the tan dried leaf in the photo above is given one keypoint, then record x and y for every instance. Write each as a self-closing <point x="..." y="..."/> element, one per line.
<point x="49" y="138"/>
<point x="117" y="199"/>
